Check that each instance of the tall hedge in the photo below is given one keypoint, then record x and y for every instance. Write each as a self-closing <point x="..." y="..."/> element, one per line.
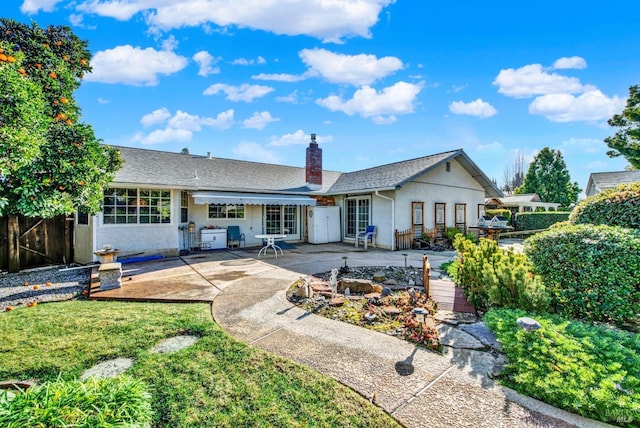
<point x="619" y="206"/>
<point x="592" y="271"/>
<point x="539" y="220"/>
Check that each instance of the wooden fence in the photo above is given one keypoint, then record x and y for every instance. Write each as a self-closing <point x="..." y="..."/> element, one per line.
<point x="405" y="238"/>
<point x="40" y="242"/>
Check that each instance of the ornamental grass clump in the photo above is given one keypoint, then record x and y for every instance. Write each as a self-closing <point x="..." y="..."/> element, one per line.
<point x="493" y="277"/>
<point x="593" y="272"/>
<point x="120" y="401"/>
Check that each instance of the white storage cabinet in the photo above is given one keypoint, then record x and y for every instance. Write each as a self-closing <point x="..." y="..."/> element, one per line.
<point x="214" y="239"/>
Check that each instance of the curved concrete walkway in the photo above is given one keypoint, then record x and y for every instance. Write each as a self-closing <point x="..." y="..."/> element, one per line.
<point x="417" y="387"/>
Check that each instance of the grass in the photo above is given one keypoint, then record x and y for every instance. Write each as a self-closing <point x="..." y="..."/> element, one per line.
<point x="590" y="370"/>
<point x="216" y="382"/>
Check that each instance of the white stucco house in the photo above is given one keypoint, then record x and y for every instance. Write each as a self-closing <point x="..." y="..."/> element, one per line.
<point x="599" y="181"/>
<point x="156" y="195"/>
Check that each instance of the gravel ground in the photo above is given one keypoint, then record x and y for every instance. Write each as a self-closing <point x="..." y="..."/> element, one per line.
<point x="50" y="284"/>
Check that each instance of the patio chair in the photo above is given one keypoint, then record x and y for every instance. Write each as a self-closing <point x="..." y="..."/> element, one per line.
<point x="235" y="237"/>
<point x="368" y="235"/>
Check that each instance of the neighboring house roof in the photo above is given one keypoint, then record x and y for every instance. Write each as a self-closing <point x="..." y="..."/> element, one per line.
<point x="394" y="175"/>
<point x="194" y="172"/>
<point x="599" y="181"/>
<point x="518" y="199"/>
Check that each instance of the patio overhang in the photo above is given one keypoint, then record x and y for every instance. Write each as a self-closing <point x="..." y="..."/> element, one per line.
<point x="202" y="198"/>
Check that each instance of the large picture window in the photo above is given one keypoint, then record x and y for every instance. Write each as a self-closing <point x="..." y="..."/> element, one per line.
<point x="136" y="206"/>
<point x="224" y="211"/>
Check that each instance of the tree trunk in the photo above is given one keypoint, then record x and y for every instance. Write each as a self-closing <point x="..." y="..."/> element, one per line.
<point x="14" y="243"/>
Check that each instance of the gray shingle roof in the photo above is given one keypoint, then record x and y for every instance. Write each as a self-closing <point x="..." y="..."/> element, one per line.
<point x="514" y="199"/>
<point x="393" y="175"/>
<point x="152" y="167"/>
<point x="607" y="180"/>
<point x="194" y="172"/>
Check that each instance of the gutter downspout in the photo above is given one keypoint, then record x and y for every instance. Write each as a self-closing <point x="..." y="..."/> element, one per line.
<point x="393" y="218"/>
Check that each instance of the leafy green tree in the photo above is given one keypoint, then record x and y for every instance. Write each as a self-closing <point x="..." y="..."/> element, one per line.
<point x="549" y="177"/>
<point x="626" y="141"/>
<point x="52" y="163"/>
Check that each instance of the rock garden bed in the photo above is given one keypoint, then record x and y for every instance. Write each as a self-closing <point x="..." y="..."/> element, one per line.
<point x="386" y="299"/>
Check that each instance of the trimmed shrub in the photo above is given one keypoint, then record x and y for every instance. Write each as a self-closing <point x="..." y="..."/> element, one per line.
<point x="614" y="207"/>
<point x="492" y="277"/>
<point x="537" y="221"/>
<point x="500" y="213"/>
<point x="592" y="272"/>
<point x="590" y="370"/>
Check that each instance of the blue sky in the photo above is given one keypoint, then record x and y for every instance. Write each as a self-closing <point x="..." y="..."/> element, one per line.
<point x="378" y="81"/>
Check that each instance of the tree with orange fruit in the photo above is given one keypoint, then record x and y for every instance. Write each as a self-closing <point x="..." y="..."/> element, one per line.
<point x="51" y="163"/>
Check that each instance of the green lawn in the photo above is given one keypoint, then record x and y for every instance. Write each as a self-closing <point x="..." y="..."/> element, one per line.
<point x="217" y="382"/>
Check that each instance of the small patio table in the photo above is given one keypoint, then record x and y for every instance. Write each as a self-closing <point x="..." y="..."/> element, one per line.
<point x="271" y="243"/>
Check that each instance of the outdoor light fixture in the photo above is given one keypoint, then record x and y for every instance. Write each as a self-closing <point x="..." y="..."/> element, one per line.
<point x="419" y="313"/>
<point x="345" y="260"/>
<point x="405" y="259"/>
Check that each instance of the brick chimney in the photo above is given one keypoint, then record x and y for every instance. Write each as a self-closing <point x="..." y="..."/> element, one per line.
<point x="314" y="165"/>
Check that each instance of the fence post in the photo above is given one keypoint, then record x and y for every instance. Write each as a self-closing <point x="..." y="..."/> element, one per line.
<point x="426" y="273"/>
<point x="14" y="243"/>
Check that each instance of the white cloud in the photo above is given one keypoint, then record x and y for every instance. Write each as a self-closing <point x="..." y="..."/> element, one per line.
<point x="255" y="152"/>
<point x="155" y="117"/>
<point x="292" y="98"/>
<point x="170" y="43"/>
<point x="352" y="69"/>
<point x="583" y="145"/>
<point x="244" y="92"/>
<point x="31" y="7"/>
<point x="490" y="148"/>
<point x="244" y="61"/>
<point x="167" y="135"/>
<point x="259" y="120"/>
<point x="330" y="21"/>
<point x="532" y="80"/>
<point x="103" y="100"/>
<point x="76" y="20"/>
<point x="133" y="66"/>
<point x="381" y="106"/>
<point x="574" y="62"/>
<point x="298" y="137"/>
<point x="477" y="108"/>
<point x="589" y="106"/>
<point x="122" y="10"/>
<point x="281" y="77"/>
<point x="206" y="61"/>
<point x="179" y="127"/>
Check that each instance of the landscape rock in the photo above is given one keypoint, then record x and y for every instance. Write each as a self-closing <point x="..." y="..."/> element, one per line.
<point x="480" y="331"/>
<point x="106" y="369"/>
<point x="455" y="338"/>
<point x="174" y="344"/>
<point x="355" y="285"/>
